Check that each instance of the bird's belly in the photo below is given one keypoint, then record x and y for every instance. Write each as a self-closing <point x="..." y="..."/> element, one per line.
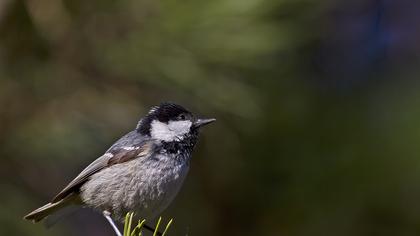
<point x="146" y="187"/>
<point x="155" y="194"/>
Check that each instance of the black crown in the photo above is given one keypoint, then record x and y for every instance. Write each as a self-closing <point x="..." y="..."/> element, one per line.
<point x="165" y="112"/>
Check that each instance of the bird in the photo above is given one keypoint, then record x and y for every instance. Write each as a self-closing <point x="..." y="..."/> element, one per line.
<point x="142" y="172"/>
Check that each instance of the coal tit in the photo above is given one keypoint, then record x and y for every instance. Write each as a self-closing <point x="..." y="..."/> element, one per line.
<point x="141" y="172"/>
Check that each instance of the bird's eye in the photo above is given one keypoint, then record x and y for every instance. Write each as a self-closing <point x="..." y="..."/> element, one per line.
<point x="182" y="117"/>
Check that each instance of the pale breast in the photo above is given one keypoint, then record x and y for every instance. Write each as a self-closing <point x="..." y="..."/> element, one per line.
<point x="146" y="186"/>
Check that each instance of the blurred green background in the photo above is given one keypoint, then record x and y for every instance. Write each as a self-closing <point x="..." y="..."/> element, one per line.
<point x="317" y="106"/>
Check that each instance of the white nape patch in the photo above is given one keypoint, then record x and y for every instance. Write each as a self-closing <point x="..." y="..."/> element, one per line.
<point x="153" y="109"/>
<point x="130" y="148"/>
<point x="174" y="130"/>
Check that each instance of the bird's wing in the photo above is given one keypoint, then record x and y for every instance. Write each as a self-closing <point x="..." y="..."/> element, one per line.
<point x="113" y="156"/>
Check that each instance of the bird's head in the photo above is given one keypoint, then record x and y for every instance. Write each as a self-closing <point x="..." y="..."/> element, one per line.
<point x="170" y="122"/>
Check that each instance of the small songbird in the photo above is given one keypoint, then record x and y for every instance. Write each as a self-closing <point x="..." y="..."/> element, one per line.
<point x="142" y="172"/>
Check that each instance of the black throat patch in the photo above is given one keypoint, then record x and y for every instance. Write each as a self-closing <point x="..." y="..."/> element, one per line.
<point x="183" y="146"/>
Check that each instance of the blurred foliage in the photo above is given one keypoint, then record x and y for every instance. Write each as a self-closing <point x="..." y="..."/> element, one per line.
<point x="317" y="106"/>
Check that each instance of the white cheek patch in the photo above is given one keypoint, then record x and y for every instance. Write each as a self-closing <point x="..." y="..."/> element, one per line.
<point x="174" y="130"/>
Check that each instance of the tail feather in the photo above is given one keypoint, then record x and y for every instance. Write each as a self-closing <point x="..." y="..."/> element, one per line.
<point x="42" y="212"/>
<point x="48" y="209"/>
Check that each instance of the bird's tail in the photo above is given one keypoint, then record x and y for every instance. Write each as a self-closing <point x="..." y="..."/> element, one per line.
<point x="48" y="209"/>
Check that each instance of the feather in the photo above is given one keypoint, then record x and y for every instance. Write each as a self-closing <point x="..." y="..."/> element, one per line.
<point x="113" y="156"/>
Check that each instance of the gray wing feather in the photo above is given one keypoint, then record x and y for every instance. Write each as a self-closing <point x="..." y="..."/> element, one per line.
<point x="94" y="167"/>
<point x="114" y="155"/>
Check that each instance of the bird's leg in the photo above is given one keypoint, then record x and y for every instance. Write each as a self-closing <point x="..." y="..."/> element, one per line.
<point x="107" y="215"/>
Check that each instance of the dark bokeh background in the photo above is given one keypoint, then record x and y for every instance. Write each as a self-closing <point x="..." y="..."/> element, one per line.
<point x="318" y="108"/>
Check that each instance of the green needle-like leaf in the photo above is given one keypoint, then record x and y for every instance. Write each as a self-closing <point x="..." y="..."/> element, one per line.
<point x="126" y="223"/>
<point x="157" y="226"/>
<point x="167" y="227"/>
<point x="138" y="228"/>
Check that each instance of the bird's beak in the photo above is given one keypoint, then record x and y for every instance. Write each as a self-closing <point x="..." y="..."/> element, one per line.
<point x="202" y="122"/>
